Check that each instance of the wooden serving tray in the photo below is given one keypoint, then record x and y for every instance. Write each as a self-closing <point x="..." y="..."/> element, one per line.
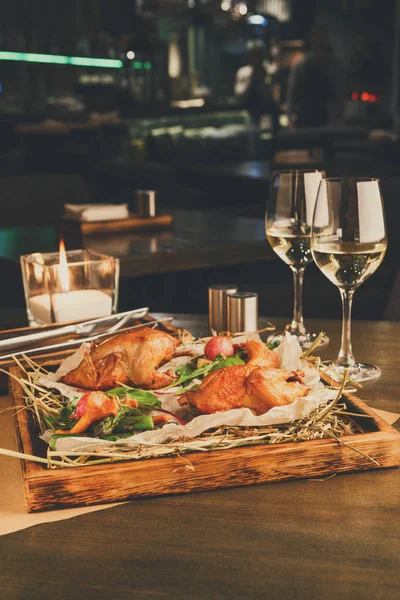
<point x="132" y="223"/>
<point x="55" y="488"/>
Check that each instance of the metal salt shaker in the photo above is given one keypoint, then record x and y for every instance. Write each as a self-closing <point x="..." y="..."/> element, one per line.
<point x="146" y="203"/>
<point x="242" y="312"/>
<point x="217" y="306"/>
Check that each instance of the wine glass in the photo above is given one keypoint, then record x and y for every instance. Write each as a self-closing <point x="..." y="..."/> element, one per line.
<point x="288" y="221"/>
<point x="348" y="243"/>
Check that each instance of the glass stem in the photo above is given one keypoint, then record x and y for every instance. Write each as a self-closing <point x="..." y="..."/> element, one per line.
<point x="297" y="325"/>
<point x="346" y="358"/>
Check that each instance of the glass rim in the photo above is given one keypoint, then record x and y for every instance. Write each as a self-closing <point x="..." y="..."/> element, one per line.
<point x="292" y="171"/>
<point x="100" y="258"/>
<point x="82" y="263"/>
<point x="360" y="178"/>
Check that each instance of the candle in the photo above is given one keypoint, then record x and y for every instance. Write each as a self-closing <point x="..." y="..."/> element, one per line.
<point x="78" y="285"/>
<point x="78" y="305"/>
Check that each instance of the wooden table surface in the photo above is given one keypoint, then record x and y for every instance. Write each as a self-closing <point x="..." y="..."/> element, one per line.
<point x="197" y="239"/>
<point x="333" y="539"/>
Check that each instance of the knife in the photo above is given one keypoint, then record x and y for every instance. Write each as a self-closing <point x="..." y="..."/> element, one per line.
<point x="78" y="342"/>
<point x="81" y="329"/>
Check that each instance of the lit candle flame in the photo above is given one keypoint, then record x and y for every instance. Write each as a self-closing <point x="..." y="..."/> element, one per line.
<point x="64" y="273"/>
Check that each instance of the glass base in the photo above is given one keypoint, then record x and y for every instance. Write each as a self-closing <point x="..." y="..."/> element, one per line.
<point x="360" y="372"/>
<point x="305" y="340"/>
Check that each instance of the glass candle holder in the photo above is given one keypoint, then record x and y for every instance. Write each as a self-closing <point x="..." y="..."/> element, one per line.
<point x="77" y="285"/>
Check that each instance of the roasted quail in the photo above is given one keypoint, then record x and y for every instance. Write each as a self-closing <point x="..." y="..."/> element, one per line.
<point x="129" y="358"/>
<point x="257" y="385"/>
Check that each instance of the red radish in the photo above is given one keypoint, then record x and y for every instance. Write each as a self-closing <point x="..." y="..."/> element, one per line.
<point x="167" y="412"/>
<point x="219" y="344"/>
<point x="81" y="407"/>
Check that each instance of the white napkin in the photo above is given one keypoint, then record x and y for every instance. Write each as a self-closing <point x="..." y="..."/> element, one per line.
<point x="96" y="212"/>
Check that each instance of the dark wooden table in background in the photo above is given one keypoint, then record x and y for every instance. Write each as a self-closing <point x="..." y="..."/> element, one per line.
<point x="196" y="240"/>
<point x="245" y="169"/>
<point x="336" y="539"/>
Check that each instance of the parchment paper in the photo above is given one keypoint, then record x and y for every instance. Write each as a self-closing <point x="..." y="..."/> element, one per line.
<point x="289" y="353"/>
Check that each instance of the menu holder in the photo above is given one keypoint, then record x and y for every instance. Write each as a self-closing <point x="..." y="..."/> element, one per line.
<point x="132" y="223"/>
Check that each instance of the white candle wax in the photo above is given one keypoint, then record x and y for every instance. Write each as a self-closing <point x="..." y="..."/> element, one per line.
<point x="78" y="305"/>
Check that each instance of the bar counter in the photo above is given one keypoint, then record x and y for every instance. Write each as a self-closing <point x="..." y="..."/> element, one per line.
<point x="336" y="538"/>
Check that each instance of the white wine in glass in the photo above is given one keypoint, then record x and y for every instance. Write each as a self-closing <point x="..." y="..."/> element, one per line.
<point x="347" y="264"/>
<point x="288" y="221"/>
<point x="293" y="249"/>
<point x="348" y="243"/>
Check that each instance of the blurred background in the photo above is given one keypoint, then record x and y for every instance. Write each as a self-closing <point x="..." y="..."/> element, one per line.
<point x="185" y="53"/>
<point x="200" y="100"/>
<point x="172" y="51"/>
